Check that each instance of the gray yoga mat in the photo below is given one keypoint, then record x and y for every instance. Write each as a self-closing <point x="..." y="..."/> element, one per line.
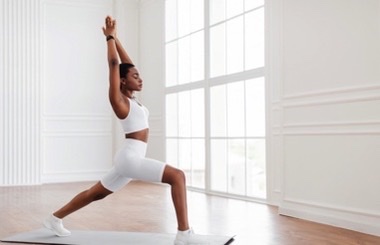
<point x="45" y="236"/>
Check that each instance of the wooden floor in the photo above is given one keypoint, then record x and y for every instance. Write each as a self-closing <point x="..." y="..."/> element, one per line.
<point x="148" y="208"/>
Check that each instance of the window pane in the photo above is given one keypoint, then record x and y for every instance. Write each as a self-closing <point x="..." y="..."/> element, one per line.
<point x="171" y="115"/>
<point x="234" y="7"/>
<point x="198" y="162"/>
<point x="217" y="11"/>
<point x="184" y="60"/>
<point x="236" y="166"/>
<point x="251" y="4"/>
<point x="172" y="152"/>
<point x="197" y="15"/>
<point x="236" y="99"/>
<point x="218" y="50"/>
<point x="184" y="114"/>
<point x="197" y="113"/>
<point x="256" y="173"/>
<point x="183" y="17"/>
<point x="235" y="45"/>
<point x="235" y="109"/>
<point x="184" y="157"/>
<point x="171" y="64"/>
<point x="218" y="111"/>
<point x="197" y="56"/>
<point x="171" y="19"/>
<point x="255" y="110"/>
<point x="254" y="39"/>
<point x="219" y="165"/>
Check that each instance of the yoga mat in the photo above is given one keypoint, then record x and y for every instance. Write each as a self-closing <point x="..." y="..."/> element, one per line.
<point x="80" y="237"/>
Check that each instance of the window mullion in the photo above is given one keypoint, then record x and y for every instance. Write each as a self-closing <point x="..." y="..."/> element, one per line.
<point x="245" y="141"/>
<point x="207" y="95"/>
<point x="228" y="142"/>
<point x="222" y="79"/>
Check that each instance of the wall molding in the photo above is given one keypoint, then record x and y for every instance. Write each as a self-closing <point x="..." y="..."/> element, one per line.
<point x="329" y="124"/>
<point x="155" y="126"/>
<point x="353" y="219"/>
<point x="322" y="102"/>
<point x="78" y="176"/>
<point x="71" y="117"/>
<point x="72" y="125"/>
<point x="333" y="128"/>
<point x="320" y="132"/>
<point x="334" y="91"/>
<point x="20" y="162"/>
<point x="329" y="97"/>
<point x="78" y="127"/>
<point x="82" y="3"/>
<point x="73" y="134"/>
<point x="354" y="94"/>
<point x="368" y="213"/>
<point x="285" y="110"/>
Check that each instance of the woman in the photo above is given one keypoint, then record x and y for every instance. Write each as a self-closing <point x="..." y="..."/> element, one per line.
<point x="130" y="161"/>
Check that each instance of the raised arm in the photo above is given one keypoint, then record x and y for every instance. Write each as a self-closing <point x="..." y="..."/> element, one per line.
<point x="124" y="57"/>
<point x="119" y="105"/>
<point x="122" y="53"/>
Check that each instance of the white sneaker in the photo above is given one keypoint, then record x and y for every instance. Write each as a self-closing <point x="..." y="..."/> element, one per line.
<point x="55" y="224"/>
<point x="189" y="238"/>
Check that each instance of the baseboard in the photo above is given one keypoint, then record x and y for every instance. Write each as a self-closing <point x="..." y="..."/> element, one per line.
<point x="48" y="178"/>
<point x="356" y="220"/>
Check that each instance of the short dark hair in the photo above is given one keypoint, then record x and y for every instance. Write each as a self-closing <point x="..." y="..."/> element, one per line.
<point x="124" y="69"/>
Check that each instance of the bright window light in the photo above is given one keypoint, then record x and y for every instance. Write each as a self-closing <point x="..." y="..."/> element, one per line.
<point x="215" y="94"/>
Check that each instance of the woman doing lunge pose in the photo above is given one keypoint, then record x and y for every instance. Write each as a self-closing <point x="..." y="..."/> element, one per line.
<point x="130" y="161"/>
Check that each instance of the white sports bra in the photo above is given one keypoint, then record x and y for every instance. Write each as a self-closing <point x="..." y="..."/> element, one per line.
<point x="137" y="118"/>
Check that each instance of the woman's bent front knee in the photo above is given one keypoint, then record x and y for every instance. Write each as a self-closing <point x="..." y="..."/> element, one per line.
<point x="174" y="176"/>
<point x="180" y="176"/>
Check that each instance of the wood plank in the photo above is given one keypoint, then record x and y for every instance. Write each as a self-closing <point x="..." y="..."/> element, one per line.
<point x="145" y="207"/>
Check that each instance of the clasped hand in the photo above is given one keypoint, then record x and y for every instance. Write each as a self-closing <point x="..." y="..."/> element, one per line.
<point x="110" y="27"/>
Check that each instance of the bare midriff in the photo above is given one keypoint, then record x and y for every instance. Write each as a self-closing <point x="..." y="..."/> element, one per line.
<point x="139" y="135"/>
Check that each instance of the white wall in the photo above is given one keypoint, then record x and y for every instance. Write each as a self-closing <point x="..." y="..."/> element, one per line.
<point x="152" y="67"/>
<point x="127" y="15"/>
<point x="324" y="70"/>
<point x="56" y="122"/>
<point x="21" y="88"/>
<point x="76" y="117"/>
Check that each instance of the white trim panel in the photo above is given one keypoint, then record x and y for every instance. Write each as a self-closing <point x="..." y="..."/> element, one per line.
<point x="358" y="220"/>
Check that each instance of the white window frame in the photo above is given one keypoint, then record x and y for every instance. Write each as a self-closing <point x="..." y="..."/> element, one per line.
<point x="206" y="84"/>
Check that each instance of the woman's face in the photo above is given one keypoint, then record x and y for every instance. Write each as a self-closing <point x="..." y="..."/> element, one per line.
<point x="133" y="80"/>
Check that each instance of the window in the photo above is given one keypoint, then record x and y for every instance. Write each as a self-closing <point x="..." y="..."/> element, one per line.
<point x="215" y="94"/>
